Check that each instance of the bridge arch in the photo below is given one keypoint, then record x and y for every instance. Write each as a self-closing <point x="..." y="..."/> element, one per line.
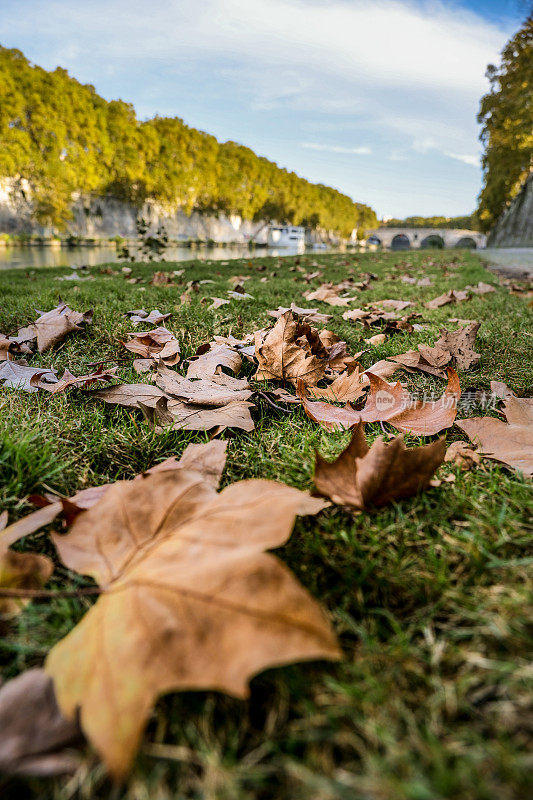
<point x="415" y="237"/>
<point x="400" y="242"/>
<point x="467" y="241"/>
<point x="434" y="240"/>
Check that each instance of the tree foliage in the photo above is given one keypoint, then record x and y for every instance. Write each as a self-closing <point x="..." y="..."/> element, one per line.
<point x="506" y="114"/>
<point x="64" y="139"/>
<point x="468" y="222"/>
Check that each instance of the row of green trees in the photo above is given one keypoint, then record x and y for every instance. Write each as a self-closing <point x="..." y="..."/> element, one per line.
<point x="506" y="116"/>
<point x="469" y="222"/>
<point x="63" y="138"/>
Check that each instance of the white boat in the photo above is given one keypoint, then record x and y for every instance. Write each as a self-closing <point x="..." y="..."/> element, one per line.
<point x="292" y="236"/>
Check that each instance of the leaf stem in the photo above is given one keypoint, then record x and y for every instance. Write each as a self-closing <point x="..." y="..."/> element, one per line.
<point x="269" y="401"/>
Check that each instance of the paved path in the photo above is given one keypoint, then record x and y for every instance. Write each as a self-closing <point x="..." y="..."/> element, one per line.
<point x="510" y="260"/>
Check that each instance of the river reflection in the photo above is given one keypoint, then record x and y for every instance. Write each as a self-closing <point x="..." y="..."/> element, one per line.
<point x="29" y="257"/>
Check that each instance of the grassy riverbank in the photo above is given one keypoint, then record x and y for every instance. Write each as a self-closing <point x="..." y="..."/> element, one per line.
<point x="429" y="596"/>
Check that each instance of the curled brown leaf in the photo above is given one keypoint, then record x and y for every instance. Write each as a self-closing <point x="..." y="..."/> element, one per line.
<point x="363" y="477"/>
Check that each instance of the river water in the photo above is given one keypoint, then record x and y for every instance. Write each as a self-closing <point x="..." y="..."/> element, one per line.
<point x="26" y="257"/>
<point x="517" y="259"/>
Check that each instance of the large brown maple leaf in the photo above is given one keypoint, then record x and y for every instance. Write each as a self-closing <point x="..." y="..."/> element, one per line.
<point x="189" y="600"/>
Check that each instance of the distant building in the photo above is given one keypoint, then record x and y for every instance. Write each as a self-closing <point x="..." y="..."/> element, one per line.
<point x="286" y="236"/>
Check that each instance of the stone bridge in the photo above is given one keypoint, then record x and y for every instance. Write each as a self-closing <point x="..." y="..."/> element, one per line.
<point x="405" y="238"/>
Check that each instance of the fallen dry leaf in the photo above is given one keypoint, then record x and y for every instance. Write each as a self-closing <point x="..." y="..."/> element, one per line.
<point x="245" y="347"/>
<point x="49" y="329"/>
<point x="436" y="482"/>
<point x="481" y="288"/>
<point x="291" y="351"/>
<point x="327" y="293"/>
<point x="208" y="459"/>
<point x="346" y="388"/>
<point x="235" y="280"/>
<point x="218" y="390"/>
<point x="36" y="737"/>
<point x="457" y="345"/>
<point x="5" y="344"/>
<point x="307" y="314"/>
<point x="29" y="524"/>
<point x="510" y="443"/>
<point x="422" y="417"/>
<point x="362" y="477"/>
<point x="23" y="339"/>
<point x="335" y="350"/>
<point x="158" y="343"/>
<point x="21" y="571"/>
<point x="354" y="314"/>
<point x="391" y="403"/>
<point x="397" y="305"/>
<point x="460" y="454"/>
<point x="217" y="302"/>
<point x="518" y="410"/>
<point x="425" y="358"/>
<point x="16" y="375"/>
<point x="181" y="416"/>
<point x="160" y="278"/>
<point x="231" y="341"/>
<point x="212" y="404"/>
<point x="379" y="338"/>
<point x="387" y="321"/>
<point x="68" y="379"/>
<point x="453" y="296"/>
<point x="501" y="390"/>
<point x="142" y="365"/>
<point x="14" y="345"/>
<point x="52" y="327"/>
<point x="239" y="294"/>
<point x="190" y="601"/>
<point x="461" y="321"/>
<point x="284" y="396"/>
<point x="383" y="369"/>
<point x="460" y="344"/>
<point x="129" y="395"/>
<point x="155" y="317"/>
<point x="210" y="359"/>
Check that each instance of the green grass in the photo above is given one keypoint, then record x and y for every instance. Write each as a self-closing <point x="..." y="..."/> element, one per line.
<point x="429" y="597"/>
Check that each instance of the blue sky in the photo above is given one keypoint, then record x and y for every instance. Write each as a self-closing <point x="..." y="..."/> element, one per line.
<point x="375" y="97"/>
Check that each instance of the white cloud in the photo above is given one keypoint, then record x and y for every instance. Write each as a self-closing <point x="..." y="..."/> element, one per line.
<point x="378" y="60"/>
<point x="392" y="43"/>
<point x="334" y="148"/>
<point x="397" y="155"/>
<point x="472" y="161"/>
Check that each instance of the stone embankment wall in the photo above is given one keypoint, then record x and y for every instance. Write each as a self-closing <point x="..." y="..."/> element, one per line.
<point x="515" y="226"/>
<point x="106" y="217"/>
